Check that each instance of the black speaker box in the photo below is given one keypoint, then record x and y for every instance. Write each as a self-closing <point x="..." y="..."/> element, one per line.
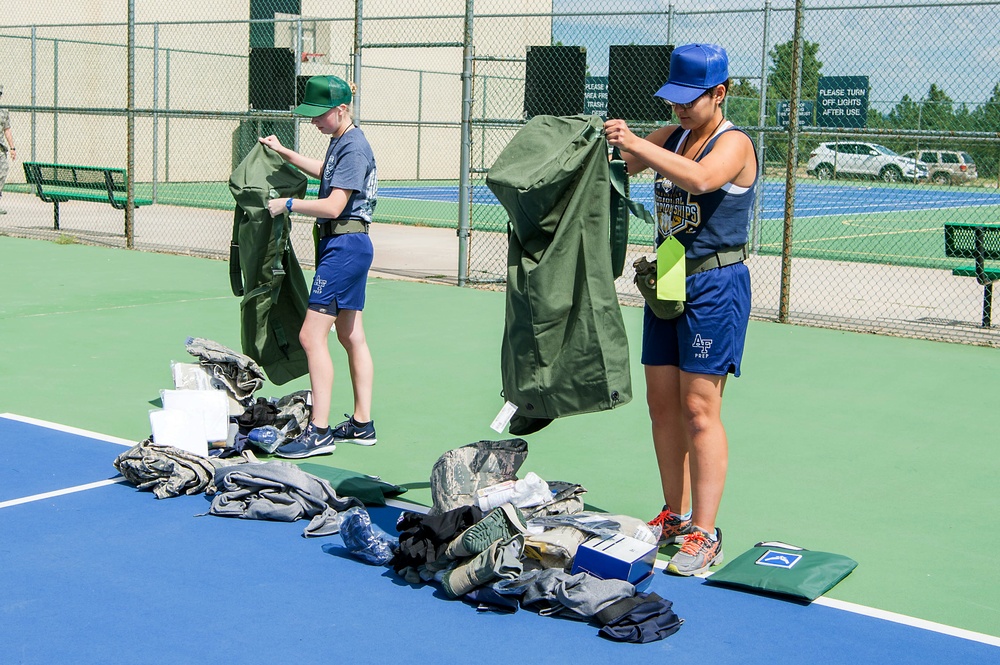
<point x="554" y="80"/>
<point x="272" y="79"/>
<point x="635" y="72"/>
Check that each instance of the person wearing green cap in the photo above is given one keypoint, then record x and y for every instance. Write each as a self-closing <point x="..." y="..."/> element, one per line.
<point x="706" y="176"/>
<point x="343" y="211"/>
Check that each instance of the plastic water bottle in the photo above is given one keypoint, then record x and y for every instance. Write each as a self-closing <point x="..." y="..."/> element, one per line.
<point x="529" y="491"/>
<point x="267" y="438"/>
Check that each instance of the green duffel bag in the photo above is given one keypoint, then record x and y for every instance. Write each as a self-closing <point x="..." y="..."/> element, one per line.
<point x="263" y="267"/>
<point x="780" y="568"/>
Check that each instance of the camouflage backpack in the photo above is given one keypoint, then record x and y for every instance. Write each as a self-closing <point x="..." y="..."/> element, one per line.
<point x="458" y="473"/>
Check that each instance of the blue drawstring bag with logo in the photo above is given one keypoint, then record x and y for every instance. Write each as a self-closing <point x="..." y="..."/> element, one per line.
<point x="780" y="568"/>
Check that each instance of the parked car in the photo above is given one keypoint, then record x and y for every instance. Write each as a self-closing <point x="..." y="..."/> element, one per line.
<point x="946" y="166"/>
<point x="863" y="159"/>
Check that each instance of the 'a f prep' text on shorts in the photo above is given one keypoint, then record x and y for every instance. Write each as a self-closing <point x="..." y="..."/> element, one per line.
<point x="708" y="337"/>
<point x="342" y="273"/>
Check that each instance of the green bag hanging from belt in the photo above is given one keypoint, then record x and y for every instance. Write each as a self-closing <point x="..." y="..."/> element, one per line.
<point x="781" y="568"/>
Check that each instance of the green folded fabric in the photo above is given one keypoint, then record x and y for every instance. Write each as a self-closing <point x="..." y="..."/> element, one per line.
<point x="370" y="490"/>
<point x="781" y="568"/>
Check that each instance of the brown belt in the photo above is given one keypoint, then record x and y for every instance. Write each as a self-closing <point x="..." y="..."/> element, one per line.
<point x="720" y="259"/>
<point x="339" y="227"/>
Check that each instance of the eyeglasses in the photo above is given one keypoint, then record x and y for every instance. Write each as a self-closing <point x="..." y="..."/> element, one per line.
<point x="691" y="103"/>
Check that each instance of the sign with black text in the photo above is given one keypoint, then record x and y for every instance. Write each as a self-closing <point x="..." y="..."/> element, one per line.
<point x="842" y="101"/>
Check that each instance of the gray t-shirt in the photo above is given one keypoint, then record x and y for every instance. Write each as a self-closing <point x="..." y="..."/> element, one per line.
<point x="350" y="165"/>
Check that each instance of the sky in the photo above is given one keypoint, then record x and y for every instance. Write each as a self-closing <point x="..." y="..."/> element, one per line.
<point x="903" y="48"/>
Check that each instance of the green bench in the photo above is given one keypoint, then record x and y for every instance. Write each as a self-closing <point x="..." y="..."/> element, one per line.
<point x="981" y="243"/>
<point x="55" y="183"/>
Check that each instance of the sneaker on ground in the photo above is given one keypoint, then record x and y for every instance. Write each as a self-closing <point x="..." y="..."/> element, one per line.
<point x="673" y="527"/>
<point x="500" y="523"/>
<point x="307" y="444"/>
<point x="350" y="431"/>
<point x="697" y="553"/>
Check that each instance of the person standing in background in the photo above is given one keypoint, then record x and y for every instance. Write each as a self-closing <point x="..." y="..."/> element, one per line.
<point x="7" y="149"/>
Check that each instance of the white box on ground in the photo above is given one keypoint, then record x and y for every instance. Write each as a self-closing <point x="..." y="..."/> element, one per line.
<point x="616" y="557"/>
<point x="193" y="376"/>
<point x="210" y="406"/>
<point x="178" y="429"/>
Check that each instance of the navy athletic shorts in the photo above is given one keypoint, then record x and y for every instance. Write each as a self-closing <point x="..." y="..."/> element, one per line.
<point x="708" y="337"/>
<point x="342" y="273"/>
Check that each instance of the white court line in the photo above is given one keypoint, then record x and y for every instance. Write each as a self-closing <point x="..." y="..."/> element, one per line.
<point x="413" y="507"/>
<point x="67" y="490"/>
<point x="909" y="621"/>
<point x="68" y="430"/>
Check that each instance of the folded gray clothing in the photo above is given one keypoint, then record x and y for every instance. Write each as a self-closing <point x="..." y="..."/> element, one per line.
<point x="240" y="374"/>
<point x="567" y="499"/>
<point x="554" y="591"/>
<point x="278" y="491"/>
<point x="592" y="524"/>
<point x="168" y="471"/>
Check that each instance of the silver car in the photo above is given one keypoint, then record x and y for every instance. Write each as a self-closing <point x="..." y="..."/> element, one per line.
<point x="872" y="160"/>
<point x="946" y="166"/>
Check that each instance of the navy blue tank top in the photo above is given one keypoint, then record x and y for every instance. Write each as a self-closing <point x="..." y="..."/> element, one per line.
<point x="703" y="223"/>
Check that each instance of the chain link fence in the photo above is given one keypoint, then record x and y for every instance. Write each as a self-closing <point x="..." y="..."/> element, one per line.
<point x="895" y="134"/>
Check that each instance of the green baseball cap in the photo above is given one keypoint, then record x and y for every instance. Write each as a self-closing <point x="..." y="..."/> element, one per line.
<point x="322" y="94"/>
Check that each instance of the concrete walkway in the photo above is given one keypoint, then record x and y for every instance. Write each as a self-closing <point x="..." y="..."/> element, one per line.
<point x="897" y="300"/>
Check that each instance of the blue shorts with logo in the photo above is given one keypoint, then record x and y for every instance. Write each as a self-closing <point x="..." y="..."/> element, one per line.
<point x="708" y="337"/>
<point x="342" y="273"/>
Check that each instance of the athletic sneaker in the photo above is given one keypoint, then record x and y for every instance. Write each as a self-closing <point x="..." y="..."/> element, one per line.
<point x="351" y="431"/>
<point x="697" y="553"/>
<point x="307" y="444"/>
<point x="673" y="527"/>
<point x="500" y="523"/>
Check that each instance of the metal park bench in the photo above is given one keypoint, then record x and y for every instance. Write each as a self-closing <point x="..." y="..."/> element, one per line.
<point x="55" y="183"/>
<point x="981" y="243"/>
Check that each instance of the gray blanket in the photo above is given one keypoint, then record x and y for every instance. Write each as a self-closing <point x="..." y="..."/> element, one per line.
<point x="278" y="491"/>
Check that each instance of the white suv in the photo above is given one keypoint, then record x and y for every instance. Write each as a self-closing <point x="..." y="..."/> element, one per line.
<point x="946" y="166"/>
<point x="863" y="159"/>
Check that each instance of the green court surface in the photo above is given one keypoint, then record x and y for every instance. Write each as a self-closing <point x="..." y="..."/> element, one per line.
<point x="880" y="448"/>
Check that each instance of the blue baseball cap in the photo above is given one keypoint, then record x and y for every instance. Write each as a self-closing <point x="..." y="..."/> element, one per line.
<point x="694" y="68"/>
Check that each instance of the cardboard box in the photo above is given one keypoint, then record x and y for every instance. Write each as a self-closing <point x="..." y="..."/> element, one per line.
<point x="643" y="584"/>
<point x="615" y="557"/>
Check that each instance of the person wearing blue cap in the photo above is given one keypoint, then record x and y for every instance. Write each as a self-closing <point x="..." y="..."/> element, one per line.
<point x="343" y="211"/>
<point x="706" y="173"/>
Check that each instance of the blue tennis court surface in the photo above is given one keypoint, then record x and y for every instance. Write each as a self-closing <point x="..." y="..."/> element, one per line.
<point x="110" y="574"/>
<point x="812" y="200"/>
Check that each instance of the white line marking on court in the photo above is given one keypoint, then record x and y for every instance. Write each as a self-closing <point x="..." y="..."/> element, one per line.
<point x="67" y="490"/>
<point x="114" y="307"/>
<point x="417" y="508"/>
<point x="909" y="621"/>
<point x="68" y="429"/>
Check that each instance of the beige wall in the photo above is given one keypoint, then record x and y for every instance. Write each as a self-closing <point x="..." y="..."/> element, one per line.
<point x="208" y="73"/>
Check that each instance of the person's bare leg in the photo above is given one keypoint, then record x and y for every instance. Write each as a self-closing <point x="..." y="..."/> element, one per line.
<point x="708" y="447"/>
<point x="670" y="439"/>
<point x="351" y="334"/>
<point x="314" y="337"/>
